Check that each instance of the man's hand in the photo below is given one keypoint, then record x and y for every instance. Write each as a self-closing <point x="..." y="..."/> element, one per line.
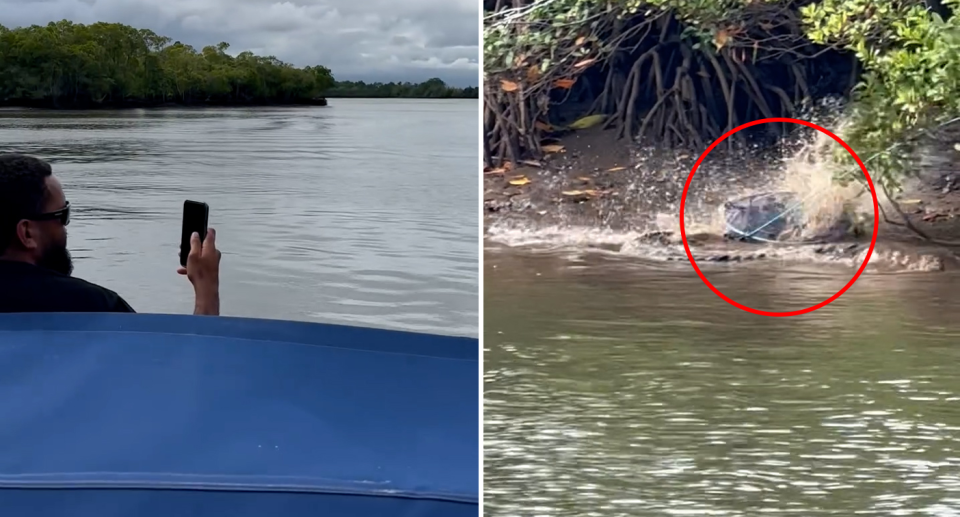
<point x="203" y="271"/>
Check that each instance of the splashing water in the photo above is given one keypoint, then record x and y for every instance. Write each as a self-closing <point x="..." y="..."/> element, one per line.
<point x="810" y="174"/>
<point x="804" y="167"/>
<point x="802" y="164"/>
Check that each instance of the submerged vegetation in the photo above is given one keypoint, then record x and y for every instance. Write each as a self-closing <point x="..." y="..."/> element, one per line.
<point x="71" y="65"/>
<point x="683" y="72"/>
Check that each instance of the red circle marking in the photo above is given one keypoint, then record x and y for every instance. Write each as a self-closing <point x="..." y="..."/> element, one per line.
<point x="686" y="245"/>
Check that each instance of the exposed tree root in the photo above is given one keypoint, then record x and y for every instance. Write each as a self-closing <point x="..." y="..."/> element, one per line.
<point x="661" y="86"/>
<point x="907" y="223"/>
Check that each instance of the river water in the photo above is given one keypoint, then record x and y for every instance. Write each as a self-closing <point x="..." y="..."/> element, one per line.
<point x="360" y="213"/>
<point x="619" y="387"/>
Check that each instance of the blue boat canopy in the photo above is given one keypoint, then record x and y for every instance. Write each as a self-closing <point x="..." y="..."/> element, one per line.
<point x="174" y="416"/>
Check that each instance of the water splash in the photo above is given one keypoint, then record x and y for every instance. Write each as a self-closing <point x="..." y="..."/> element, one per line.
<point x="801" y="164"/>
<point x="810" y="174"/>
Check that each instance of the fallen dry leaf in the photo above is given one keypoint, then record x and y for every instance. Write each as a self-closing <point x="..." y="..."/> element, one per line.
<point x="720" y="39"/>
<point x="617" y="168"/>
<point x="532" y="163"/>
<point x="552" y="148"/>
<point x="587" y="122"/>
<point x="542" y="126"/>
<point x="566" y="84"/>
<point x="580" y="40"/>
<point x="585" y="62"/>
<point x="533" y="73"/>
<point x="585" y="178"/>
<point x="499" y="170"/>
<point x="520" y="181"/>
<point x="580" y="193"/>
<point x="509" y="86"/>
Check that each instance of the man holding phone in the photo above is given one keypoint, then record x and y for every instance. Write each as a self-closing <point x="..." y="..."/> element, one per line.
<point x="35" y="265"/>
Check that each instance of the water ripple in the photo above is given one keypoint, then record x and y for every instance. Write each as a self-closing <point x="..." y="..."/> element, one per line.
<point x="364" y="212"/>
<point x="626" y="406"/>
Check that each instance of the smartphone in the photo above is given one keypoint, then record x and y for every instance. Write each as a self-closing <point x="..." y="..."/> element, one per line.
<point x="195" y="215"/>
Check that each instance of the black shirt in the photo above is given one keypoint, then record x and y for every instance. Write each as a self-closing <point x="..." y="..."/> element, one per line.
<point x="28" y="288"/>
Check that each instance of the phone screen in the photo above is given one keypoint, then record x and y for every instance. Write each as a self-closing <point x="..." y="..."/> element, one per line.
<point x="195" y="216"/>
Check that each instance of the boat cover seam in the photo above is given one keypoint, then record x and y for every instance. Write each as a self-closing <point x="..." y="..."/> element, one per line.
<point x="232" y="338"/>
<point x="7" y="483"/>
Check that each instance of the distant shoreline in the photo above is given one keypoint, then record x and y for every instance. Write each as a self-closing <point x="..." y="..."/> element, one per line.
<point x="72" y="66"/>
<point x="368" y="97"/>
<point x="135" y="104"/>
<point x="91" y="106"/>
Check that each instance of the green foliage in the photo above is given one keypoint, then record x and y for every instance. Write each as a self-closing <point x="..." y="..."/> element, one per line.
<point x="545" y="34"/>
<point x="429" y="89"/>
<point x="910" y="57"/>
<point x="65" y="63"/>
<point x="539" y="36"/>
<point x="905" y="82"/>
<point x="911" y="63"/>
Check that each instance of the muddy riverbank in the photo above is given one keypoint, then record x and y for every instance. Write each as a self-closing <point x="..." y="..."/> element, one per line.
<point x="594" y="182"/>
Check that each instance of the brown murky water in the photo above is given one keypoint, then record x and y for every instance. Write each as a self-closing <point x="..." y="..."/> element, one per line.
<point x="615" y="387"/>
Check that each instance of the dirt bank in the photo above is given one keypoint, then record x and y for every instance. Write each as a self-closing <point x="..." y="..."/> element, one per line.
<point x="595" y="181"/>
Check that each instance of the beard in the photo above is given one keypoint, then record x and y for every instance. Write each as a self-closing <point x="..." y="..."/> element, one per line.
<point x="57" y="258"/>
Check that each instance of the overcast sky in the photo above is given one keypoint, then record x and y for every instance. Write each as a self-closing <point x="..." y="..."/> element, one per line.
<point x="371" y="40"/>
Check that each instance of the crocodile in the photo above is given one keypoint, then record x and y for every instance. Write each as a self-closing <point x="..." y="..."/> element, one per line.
<point x="775" y="217"/>
<point x="709" y="248"/>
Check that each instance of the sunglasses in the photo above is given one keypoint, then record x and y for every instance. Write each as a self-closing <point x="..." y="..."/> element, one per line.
<point x="62" y="215"/>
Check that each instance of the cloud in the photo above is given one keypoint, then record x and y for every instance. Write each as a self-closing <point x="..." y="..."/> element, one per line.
<point x="370" y="40"/>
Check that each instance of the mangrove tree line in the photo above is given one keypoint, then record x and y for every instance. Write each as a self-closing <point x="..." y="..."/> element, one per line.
<point x="430" y="89"/>
<point x="683" y="72"/>
<point x="65" y="64"/>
